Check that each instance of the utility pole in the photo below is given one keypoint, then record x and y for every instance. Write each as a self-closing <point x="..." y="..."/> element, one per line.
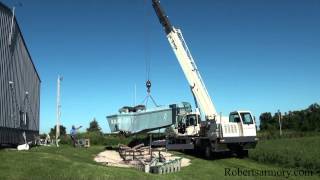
<point x="58" y="110"/>
<point x="279" y="118"/>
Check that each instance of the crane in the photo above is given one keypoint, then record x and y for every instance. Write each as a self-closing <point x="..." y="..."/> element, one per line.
<point x="236" y="133"/>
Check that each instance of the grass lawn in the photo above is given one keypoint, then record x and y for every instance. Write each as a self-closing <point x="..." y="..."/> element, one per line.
<point x="70" y="163"/>
<point x="302" y="152"/>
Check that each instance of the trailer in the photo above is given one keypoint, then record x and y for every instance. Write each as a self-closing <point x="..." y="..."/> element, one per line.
<point x="19" y="84"/>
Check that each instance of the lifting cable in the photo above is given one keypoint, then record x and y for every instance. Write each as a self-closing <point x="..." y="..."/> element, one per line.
<point x="147" y="56"/>
<point x="146" y="41"/>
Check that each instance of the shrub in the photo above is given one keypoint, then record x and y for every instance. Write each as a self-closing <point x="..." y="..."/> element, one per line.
<point x="96" y="138"/>
<point x="65" y="139"/>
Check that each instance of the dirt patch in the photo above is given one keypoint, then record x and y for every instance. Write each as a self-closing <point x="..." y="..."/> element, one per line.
<point x="113" y="158"/>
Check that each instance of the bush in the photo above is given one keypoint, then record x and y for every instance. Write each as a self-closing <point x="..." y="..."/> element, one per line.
<point x="66" y="139"/>
<point x="113" y="140"/>
<point x="96" y="138"/>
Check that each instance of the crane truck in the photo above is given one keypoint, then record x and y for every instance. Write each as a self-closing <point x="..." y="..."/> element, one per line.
<point x="204" y="129"/>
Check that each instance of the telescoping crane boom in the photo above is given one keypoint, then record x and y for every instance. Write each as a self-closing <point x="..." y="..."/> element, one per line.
<point x="237" y="132"/>
<point x="187" y="63"/>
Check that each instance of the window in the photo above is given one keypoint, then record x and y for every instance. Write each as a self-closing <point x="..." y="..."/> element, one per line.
<point x="246" y="118"/>
<point x="235" y="118"/>
<point x="24" y="119"/>
<point x="192" y="120"/>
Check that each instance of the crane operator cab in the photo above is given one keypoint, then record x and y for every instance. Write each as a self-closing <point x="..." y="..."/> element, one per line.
<point x="189" y="124"/>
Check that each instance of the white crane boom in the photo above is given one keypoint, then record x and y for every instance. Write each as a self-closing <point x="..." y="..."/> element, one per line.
<point x="189" y="67"/>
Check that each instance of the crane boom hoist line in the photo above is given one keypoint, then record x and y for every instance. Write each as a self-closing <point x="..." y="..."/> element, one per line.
<point x="147" y="59"/>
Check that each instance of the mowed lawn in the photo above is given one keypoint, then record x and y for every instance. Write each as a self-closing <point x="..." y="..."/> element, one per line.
<point x="66" y="162"/>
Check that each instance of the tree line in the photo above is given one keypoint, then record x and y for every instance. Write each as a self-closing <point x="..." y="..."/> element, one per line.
<point x="303" y="120"/>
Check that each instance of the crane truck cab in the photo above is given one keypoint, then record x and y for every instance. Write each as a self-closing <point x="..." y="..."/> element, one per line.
<point x="239" y="124"/>
<point x="235" y="133"/>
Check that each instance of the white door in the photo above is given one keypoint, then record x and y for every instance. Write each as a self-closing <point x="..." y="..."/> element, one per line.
<point x="233" y="126"/>
<point x="248" y="124"/>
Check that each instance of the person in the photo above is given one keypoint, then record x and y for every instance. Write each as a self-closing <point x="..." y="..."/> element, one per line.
<point x="73" y="134"/>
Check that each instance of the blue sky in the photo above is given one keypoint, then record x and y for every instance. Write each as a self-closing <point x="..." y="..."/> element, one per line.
<point x="258" y="55"/>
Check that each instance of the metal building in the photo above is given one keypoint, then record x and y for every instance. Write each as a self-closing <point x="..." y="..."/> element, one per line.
<point x="19" y="84"/>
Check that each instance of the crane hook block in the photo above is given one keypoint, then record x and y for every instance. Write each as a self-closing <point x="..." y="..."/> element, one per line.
<point x="148" y="84"/>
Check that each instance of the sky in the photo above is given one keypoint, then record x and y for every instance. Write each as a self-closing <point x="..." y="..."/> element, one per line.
<point x="257" y="55"/>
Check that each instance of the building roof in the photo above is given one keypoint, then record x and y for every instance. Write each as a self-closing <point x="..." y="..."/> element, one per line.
<point x="8" y="11"/>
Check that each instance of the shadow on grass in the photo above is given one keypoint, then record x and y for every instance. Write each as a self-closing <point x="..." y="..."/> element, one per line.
<point x="214" y="156"/>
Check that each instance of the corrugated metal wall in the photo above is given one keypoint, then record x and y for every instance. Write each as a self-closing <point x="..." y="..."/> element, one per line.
<point x="19" y="84"/>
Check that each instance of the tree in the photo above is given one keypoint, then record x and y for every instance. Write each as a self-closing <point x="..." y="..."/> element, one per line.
<point x="265" y="120"/>
<point x="94" y="126"/>
<point x="63" y="131"/>
<point x="302" y="120"/>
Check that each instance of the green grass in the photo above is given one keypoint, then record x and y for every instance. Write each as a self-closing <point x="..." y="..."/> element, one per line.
<point x="274" y="134"/>
<point x="70" y="163"/>
<point x="302" y="152"/>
